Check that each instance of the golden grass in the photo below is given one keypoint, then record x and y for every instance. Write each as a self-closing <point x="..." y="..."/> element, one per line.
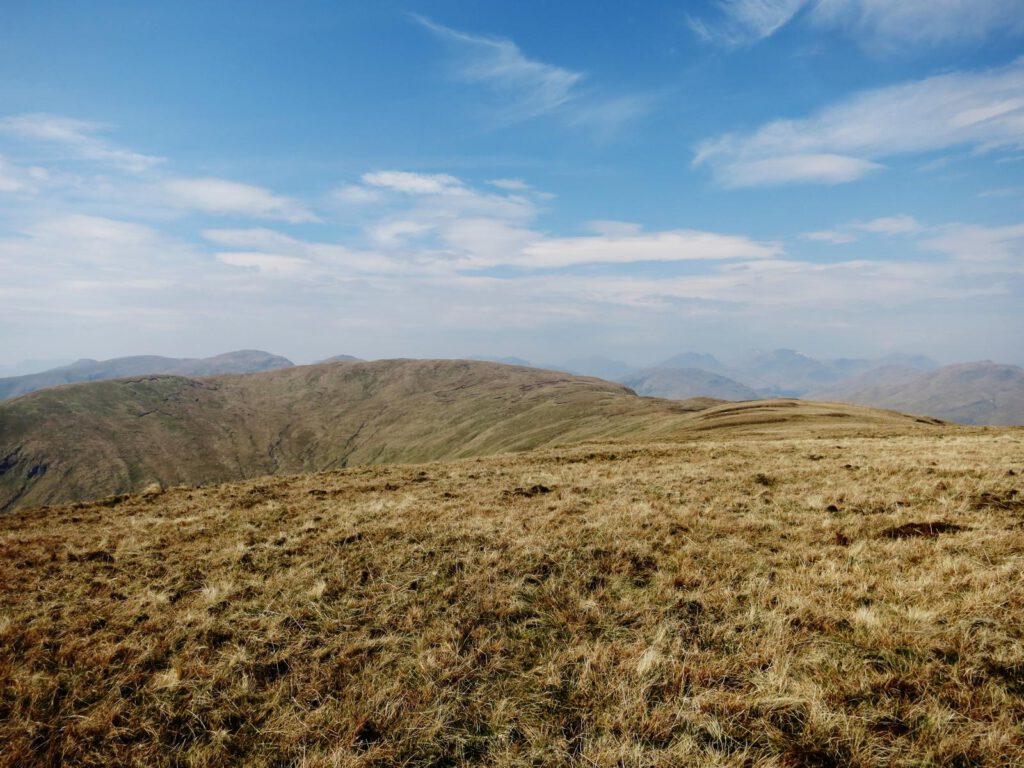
<point x="833" y="600"/>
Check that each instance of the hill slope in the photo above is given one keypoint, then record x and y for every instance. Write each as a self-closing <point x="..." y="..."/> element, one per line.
<point x="89" y="440"/>
<point x="242" y="361"/>
<point x="682" y="383"/>
<point x="971" y="393"/>
<point x="733" y="601"/>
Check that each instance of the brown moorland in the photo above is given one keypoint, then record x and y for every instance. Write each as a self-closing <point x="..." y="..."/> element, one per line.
<point x="760" y="594"/>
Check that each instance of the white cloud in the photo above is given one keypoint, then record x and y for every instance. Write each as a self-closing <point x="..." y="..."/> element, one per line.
<point x="1002" y="192"/>
<point x="390" y="233"/>
<point x="613" y="228"/>
<point x="510" y="185"/>
<point x="77" y="136"/>
<point x="354" y="194"/>
<point x="264" y="263"/>
<point x="983" y="110"/>
<point x="328" y="258"/>
<point x="925" y="22"/>
<point x="829" y="236"/>
<point x="777" y="284"/>
<point x="537" y="88"/>
<point x="746" y="21"/>
<point x="235" y="199"/>
<point x="887" y="23"/>
<point x="792" y="169"/>
<point x="890" y="225"/>
<point x="413" y="183"/>
<point x="529" y="88"/>
<point x="9" y="181"/>
<point x="992" y="245"/>
<point x="672" y="246"/>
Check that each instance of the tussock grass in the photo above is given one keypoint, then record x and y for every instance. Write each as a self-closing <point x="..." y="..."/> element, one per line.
<point x="734" y="601"/>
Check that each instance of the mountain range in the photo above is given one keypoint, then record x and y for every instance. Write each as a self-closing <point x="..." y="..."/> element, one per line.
<point x="242" y="361"/>
<point x="109" y="437"/>
<point x="972" y="393"/>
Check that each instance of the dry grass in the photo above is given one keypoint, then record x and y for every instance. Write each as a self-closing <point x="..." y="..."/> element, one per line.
<point x="835" y="600"/>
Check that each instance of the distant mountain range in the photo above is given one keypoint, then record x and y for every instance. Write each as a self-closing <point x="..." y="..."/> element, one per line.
<point x="971" y="393"/>
<point x="684" y="383"/>
<point x="242" y="361"/>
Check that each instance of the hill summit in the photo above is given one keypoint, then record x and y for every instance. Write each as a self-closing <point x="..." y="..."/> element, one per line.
<point x="93" y="439"/>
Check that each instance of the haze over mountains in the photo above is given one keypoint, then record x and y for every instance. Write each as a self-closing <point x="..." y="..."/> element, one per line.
<point x="970" y="393"/>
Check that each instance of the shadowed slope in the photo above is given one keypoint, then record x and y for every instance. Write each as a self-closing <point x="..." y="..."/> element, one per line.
<point x="90" y="440"/>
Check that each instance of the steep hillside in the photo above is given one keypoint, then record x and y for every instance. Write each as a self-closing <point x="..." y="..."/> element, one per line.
<point x="971" y="393"/>
<point x="243" y="361"/>
<point x="681" y="383"/>
<point x="89" y="440"/>
<point x="728" y="601"/>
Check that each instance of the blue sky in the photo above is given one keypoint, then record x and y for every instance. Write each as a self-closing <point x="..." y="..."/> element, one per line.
<point x="844" y="177"/>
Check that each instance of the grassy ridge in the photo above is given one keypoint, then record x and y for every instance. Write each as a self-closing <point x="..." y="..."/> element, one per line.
<point x="90" y="440"/>
<point x="742" y="599"/>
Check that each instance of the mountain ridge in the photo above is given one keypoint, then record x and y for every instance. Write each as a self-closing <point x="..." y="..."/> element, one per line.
<point x="92" y="439"/>
<point x="87" y="369"/>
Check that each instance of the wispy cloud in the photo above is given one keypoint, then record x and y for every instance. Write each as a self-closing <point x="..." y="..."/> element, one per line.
<point x="235" y="199"/>
<point x="981" y="110"/>
<point x="671" y="246"/>
<point x="14" y="178"/>
<point x="833" y="236"/>
<point x="530" y="88"/>
<point x="919" y="22"/>
<point x="885" y="226"/>
<point x="745" y="21"/>
<point x="876" y="23"/>
<point x="77" y="137"/>
<point x="890" y="225"/>
<point x="992" y="245"/>
<point x="413" y="183"/>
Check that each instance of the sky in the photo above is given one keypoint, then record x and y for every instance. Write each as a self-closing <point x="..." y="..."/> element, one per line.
<point x="544" y="180"/>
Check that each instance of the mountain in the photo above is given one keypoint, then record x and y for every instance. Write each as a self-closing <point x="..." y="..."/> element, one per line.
<point x="98" y="438"/>
<point x="242" y="361"/>
<point x="828" y="599"/>
<point x="846" y="367"/>
<point x="704" y="362"/>
<point x="783" y="372"/>
<point x="503" y="360"/>
<point x="595" y="365"/>
<point x="340" y="359"/>
<point x="25" y="367"/>
<point x="970" y="393"/>
<point x="682" y="383"/>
